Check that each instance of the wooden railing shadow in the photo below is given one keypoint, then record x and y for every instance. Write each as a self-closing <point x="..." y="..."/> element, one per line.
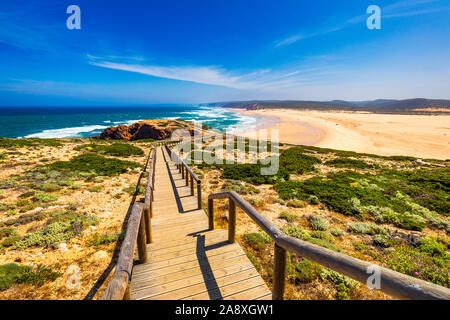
<point x="175" y="188"/>
<point x="101" y="280"/>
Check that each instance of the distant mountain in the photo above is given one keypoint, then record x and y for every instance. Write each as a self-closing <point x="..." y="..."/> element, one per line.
<point x="379" y="105"/>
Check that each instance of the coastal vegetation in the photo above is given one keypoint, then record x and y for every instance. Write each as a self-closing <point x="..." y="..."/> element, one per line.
<point x="392" y="211"/>
<point x="115" y="149"/>
<point x="63" y="202"/>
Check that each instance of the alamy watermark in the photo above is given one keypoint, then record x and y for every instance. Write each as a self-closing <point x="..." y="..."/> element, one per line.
<point x="74" y="20"/>
<point x="374" y="20"/>
<point x="73" y="277"/>
<point x="212" y="147"/>
<point x="374" y="280"/>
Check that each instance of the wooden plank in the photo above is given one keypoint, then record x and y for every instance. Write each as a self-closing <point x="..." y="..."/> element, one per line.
<point x="197" y="283"/>
<point x="266" y="297"/>
<point x="250" y="294"/>
<point x="218" y="235"/>
<point x="186" y="225"/>
<point x="209" y="288"/>
<point x="188" y="248"/>
<point x="183" y="256"/>
<point x="230" y="289"/>
<point x="213" y="262"/>
<point x="220" y="269"/>
<point x="177" y="267"/>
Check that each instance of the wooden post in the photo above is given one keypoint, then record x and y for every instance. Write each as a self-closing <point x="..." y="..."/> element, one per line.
<point x="192" y="185"/>
<point x="182" y="170"/>
<point x="211" y="214"/>
<point x="127" y="294"/>
<point x="142" y="246"/>
<point x="148" y="226"/>
<point x="279" y="273"/>
<point x="150" y="206"/>
<point x="199" y="194"/>
<point x="187" y="177"/>
<point x="231" y="220"/>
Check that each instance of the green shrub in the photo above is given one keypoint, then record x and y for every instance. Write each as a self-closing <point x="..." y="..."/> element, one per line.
<point x="296" y="203"/>
<point x="256" y="202"/>
<point x="297" y="232"/>
<point x="251" y="173"/>
<point x="11" y="240"/>
<point x="50" y="187"/>
<point x="115" y="149"/>
<point x="73" y="217"/>
<point x="94" y="189"/>
<point x="319" y="223"/>
<point x="6" y="232"/>
<point x="414" y="262"/>
<point x="12" y="212"/>
<point x="294" y="161"/>
<point x="307" y="271"/>
<point x="343" y="284"/>
<point x="257" y="240"/>
<point x="52" y="234"/>
<point x="313" y="199"/>
<point x="132" y="189"/>
<point x="337" y="191"/>
<point x="95" y="164"/>
<point x="290" y="217"/>
<point x="45" y="197"/>
<point x="433" y="248"/>
<point x="27" y="194"/>
<point x="12" y="273"/>
<point x="410" y="222"/>
<point x="98" y="240"/>
<point x="254" y="261"/>
<point x="381" y="240"/>
<point x="337" y="232"/>
<point x="349" y="163"/>
<point x="32" y="142"/>
<point x="366" y="228"/>
<point x="60" y="228"/>
<point x="323" y="235"/>
<point x="302" y="234"/>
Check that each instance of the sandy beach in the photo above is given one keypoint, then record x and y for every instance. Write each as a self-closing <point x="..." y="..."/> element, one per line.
<point x="422" y="136"/>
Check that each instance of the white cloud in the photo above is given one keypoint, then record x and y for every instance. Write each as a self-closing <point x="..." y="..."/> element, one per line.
<point x="390" y="11"/>
<point x="210" y="75"/>
<point x="288" y="41"/>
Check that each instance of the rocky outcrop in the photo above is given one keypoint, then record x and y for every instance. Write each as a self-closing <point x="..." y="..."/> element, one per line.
<point x="158" y="129"/>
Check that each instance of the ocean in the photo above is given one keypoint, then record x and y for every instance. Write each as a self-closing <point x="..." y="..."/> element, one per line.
<point x="81" y="122"/>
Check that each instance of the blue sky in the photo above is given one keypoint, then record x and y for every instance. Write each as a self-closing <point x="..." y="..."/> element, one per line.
<point x="183" y="51"/>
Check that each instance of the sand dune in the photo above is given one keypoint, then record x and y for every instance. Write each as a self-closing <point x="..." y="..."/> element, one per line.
<point x="422" y="136"/>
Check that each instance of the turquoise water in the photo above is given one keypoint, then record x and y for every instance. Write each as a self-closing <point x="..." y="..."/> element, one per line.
<point x="81" y="122"/>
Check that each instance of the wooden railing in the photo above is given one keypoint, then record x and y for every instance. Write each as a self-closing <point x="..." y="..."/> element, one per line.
<point x="138" y="233"/>
<point x="186" y="172"/>
<point x="393" y="283"/>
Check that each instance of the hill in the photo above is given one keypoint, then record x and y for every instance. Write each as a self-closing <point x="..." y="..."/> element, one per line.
<point x="417" y="105"/>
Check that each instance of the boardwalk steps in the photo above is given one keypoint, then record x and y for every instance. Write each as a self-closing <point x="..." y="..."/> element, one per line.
<point x="185" y="259"/>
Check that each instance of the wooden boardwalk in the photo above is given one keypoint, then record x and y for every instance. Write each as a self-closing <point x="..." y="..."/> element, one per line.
<point x="185" y="259"/>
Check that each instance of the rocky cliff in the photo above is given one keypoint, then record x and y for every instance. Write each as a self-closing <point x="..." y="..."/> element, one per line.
<point x="158" y="129"/>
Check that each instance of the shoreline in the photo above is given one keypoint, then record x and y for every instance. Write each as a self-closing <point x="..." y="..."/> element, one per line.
<point x="420" y="136"/>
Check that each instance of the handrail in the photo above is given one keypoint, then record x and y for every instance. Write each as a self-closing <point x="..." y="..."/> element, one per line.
<point x="185" y="170"/>
<point x="391" y="282"/>
<point x="138" y="233"/>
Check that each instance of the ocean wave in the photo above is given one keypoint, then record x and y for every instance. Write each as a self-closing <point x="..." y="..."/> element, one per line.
<point x="74" y="132"/>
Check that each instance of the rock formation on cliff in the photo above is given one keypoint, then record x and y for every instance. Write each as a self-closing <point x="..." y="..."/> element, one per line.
<point x="157" y="129"/>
